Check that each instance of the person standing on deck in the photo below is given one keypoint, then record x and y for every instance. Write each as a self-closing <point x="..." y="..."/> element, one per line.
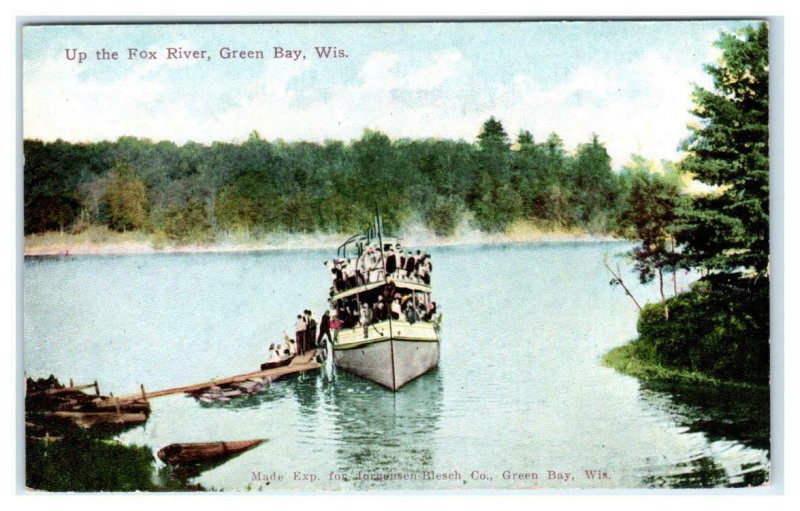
<point x="300" y="334"/>
<point x="379" y="310"/>
<point x="427" y="267"/>
<point x="364" y="318"/>
<point x="411" y="266"/>
<point x="375" y="265"/>
<point x="401" y="263"/>
<point x="350" y="273"/>
<point x="391" y="264"/>
<point x="311" y="331"/>
<point x="337" y="274"/>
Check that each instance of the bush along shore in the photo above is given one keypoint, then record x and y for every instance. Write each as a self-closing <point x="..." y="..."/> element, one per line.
<point x="719" y="331"/>
<point x="717" y="334"/>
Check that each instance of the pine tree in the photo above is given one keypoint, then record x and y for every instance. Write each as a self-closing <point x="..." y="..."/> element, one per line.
<point x="728" y="229"/>
<point x="493" y="135"/>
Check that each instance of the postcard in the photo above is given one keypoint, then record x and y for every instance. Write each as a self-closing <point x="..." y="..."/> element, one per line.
<point x="301" y="257"/>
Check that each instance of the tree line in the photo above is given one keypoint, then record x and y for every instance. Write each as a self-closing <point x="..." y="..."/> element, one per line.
<point x="194" y="191"/>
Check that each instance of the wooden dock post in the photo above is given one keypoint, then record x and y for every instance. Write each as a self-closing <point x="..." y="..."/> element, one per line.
<point x="144" y="395"/>
<point x="116" y="403"/>
<point x="96" y="388"/>
<point x="70" y="383"/>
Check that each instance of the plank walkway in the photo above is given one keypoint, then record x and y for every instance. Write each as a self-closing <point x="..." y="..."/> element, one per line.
<point x="301" y="363"/>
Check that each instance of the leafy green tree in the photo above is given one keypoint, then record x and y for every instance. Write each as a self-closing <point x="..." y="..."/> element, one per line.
<point x="53" y="171"/>
<point x="383" y="178"/>
<point x="492" y="198"/>
<point x="127" y="201"/>
<point x="654" y="210"/>
<point x="443" y="215"/>
<point x="249" y="203"/>
<point x="187" y="223"/>
<point x="728" y="228"/>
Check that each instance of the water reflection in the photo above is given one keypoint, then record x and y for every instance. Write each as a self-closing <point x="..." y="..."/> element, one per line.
<point x="729" y="419"/>
<point x="305" y="388"/>
<point x="721" y="412"/>
<point x="381" y="432"/>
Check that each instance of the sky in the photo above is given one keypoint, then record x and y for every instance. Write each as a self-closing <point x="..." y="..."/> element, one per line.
<point x="628" y="82"/>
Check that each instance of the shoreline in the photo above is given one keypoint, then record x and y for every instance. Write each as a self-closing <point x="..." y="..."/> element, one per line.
<point x="623" y="359"/>
<point x="108" y="243"/>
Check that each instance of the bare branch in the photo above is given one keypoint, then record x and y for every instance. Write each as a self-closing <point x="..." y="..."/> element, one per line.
<point x="618" y="278"/>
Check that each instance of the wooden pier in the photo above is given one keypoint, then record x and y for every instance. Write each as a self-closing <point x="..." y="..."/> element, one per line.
<point x="301" y="363"/>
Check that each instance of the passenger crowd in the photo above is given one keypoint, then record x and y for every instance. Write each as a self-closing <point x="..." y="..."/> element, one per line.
<point x="411" y="307"/>
<point x="372" y="266"/>
<point x="369" y="267"/>
<point x="373" y="306"/>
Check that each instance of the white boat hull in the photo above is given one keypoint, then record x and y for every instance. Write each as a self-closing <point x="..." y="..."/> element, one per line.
<point x="388" y="360"/>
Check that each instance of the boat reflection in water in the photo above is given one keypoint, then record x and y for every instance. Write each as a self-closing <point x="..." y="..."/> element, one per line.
<point x="382" y="434"/>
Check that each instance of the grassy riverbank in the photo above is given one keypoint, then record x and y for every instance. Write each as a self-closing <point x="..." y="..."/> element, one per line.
<point x="100" y="240"/>
<point x="78" y="461"/>
<point x="629" y="359"/>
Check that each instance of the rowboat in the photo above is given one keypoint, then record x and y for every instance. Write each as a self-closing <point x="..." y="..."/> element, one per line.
<point x="276" y="363"/>
<point x="191" y="453"/>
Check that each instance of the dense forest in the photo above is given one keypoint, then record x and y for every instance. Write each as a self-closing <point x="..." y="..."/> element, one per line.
<point x="193" y="192"/>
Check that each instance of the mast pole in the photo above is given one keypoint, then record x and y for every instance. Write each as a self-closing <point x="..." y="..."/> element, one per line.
<point x="379" y="225"/>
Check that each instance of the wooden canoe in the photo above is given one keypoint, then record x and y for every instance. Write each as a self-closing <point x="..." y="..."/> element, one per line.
<point x="190" y="453"/>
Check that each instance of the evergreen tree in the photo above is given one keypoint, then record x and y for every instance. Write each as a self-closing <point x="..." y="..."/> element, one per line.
<point x="728" y="229"/>
<point x="525" y="139"/>
<point x="593" y="183"/>
<point x="493" y="198"/>
<point x="493" y="135"/>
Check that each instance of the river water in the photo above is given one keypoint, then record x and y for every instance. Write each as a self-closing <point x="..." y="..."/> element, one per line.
<point x="520" y="398"/>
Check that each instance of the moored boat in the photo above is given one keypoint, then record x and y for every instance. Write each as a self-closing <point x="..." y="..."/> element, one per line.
<point x="191" y="453"/>
<point x="386" y="326"/>
<point x="276" y="363"/>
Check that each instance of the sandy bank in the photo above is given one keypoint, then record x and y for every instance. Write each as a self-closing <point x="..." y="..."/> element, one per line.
<point x="110" y="243"/>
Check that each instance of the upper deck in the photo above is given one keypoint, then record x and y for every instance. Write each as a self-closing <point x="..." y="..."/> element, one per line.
<point x="398" y="283"/>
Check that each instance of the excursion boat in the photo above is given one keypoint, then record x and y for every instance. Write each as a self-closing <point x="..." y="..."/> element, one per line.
<point x="386" y="327"/>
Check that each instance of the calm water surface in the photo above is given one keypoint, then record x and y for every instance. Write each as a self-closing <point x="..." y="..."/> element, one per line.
<point x="519" y="388"/>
